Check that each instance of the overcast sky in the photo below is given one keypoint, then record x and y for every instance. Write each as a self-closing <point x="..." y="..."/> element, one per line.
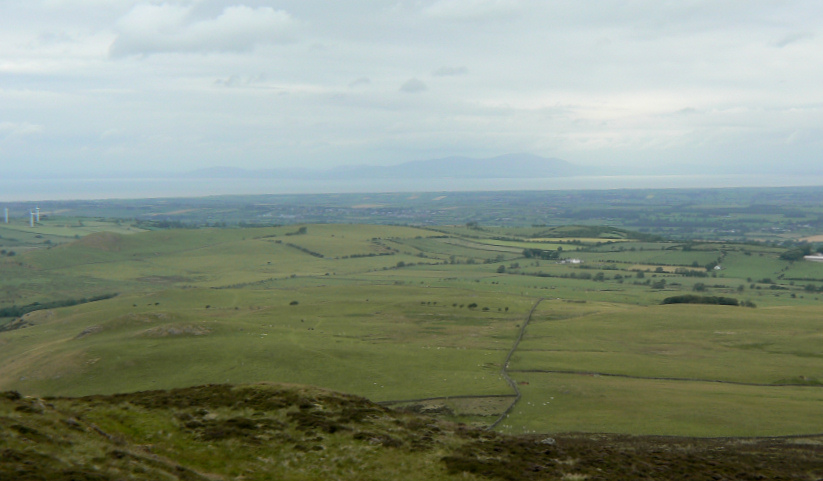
<point x="178" y="85"/>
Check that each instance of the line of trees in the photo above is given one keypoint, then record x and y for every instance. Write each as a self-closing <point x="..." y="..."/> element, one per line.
<point x="307" y="251"/>
<point x="17" y="311"/>
<point x="715" y="300"/>
<point x="797" y="253"/>
<point x="541" y="254"/>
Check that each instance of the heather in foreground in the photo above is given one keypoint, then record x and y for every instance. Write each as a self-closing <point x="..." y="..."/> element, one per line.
<point x="288" y="432"/>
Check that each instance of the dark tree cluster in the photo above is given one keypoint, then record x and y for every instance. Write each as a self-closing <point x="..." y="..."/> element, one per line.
<point x="540" y="254"/>
<point x="715" y="300"/>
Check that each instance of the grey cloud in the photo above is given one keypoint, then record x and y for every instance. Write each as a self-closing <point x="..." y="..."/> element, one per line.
<point x="359" y="82"/>
<point x="413" y="86"/>
<point x="450" y="71"/>
<point x="633" y="81"/>
<point x="238" y="81"/>
<point x="686" y="111"/>
<point x="792" y="38"/>
<point x="149" y="29"/>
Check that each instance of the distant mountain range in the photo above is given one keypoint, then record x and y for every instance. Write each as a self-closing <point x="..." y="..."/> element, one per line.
<point x="510" y="166"/>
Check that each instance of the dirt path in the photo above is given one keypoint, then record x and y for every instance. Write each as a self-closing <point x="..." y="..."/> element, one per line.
<point x="505" y="369"/>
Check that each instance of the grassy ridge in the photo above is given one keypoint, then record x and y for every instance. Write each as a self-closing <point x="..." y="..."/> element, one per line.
<point x="332" y="337"/>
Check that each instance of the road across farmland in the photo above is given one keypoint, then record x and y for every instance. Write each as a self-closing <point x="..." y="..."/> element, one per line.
<point x="505" y="369"/>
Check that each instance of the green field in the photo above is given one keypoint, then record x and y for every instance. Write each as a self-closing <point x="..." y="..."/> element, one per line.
<point x="407" y="315"/>
<point x="569" y="403"/>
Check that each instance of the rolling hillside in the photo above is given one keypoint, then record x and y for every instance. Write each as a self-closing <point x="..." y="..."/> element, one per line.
<point x="287" y="432"/>
<point x="484" y="325"/>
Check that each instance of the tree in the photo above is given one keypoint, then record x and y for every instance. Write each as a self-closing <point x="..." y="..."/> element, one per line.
<point x="540" y="254"/>
<point x="501" y="269"/>
<point x="692" y="299"/>
<point x="796" y="253"/>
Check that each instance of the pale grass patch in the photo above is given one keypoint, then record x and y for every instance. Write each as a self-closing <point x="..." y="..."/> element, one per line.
<point x="806" y="442"/>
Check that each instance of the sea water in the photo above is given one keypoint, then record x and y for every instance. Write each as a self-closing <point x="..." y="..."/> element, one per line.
<point x="33" y="189"/>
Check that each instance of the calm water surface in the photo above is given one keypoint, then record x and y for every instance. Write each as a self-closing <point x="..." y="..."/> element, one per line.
<point x="128" y="188"/>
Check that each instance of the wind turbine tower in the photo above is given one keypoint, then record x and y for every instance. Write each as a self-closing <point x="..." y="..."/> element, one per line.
<point x="37" y="209"/>
<point x="6" y="211"/>
<point x="31" y="218"/>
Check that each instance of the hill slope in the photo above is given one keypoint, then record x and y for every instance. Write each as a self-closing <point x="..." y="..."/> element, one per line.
<point x="222" y="432"/>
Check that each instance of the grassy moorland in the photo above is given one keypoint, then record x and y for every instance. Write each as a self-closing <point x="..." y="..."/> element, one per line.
<point x="275" y="431"/>
<point x="426" y="318"/>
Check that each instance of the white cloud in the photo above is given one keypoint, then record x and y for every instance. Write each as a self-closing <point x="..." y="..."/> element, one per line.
<point x="110" y="133"/>
<point x="472" y="9"/>
<point x="149" y="29"/>
<point x="10" y="130"/>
